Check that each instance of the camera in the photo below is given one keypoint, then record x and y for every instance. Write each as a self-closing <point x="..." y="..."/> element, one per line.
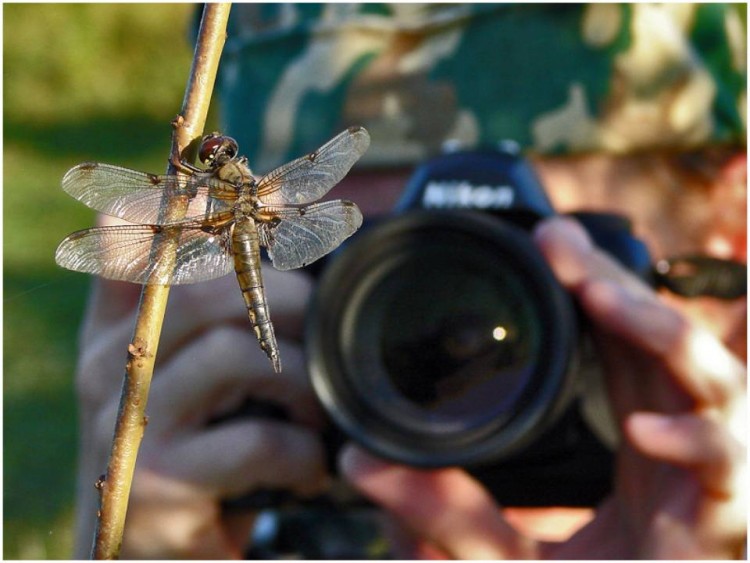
<point x="439" y="336"/>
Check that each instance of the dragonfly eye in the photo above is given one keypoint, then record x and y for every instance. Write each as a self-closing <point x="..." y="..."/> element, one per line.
<point x="229" y="147"/>
<point x="217" y="149"/>
<point x="209" y="147"/>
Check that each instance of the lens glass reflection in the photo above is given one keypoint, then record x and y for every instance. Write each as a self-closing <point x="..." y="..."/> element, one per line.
<point x="446" y="339"/>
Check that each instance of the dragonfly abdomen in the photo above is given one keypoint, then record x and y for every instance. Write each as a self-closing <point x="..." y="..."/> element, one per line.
<point x="246" y="249"/>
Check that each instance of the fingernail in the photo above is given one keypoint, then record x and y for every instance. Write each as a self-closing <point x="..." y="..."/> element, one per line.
<point x="558" y="228"/>
<point x="651" y="421"/>
<point x="353" y="461"/>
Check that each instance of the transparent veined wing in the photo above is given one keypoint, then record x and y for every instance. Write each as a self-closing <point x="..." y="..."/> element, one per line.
<point x="138" y="197"/>
<point x="124" y="253"/>
<point x="309" y="178"/>
<point x="300" y="236"/>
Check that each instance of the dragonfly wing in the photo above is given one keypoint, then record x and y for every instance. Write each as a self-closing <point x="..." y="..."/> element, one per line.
<point x="123" y="253"/>
<point x="138" y="197"/>
<point x="309" y="178"/>
<point x="301" y="236"/>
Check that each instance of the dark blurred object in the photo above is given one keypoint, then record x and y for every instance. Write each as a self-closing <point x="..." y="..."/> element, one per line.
<point x="322" y="533"/>
<point x="702" y="276"/>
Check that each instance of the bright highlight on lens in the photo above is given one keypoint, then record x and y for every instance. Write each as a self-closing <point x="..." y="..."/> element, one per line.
<point x="499" y="333"/>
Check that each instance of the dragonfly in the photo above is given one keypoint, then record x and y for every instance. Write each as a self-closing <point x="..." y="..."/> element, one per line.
<point x="230" y="215"/>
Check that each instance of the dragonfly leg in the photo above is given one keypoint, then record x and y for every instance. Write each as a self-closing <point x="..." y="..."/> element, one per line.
<point x="181" y="165"/>
<point x="175" y="159"/>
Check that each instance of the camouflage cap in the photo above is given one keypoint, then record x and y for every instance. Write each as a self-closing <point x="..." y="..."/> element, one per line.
<point x="555" y="78"/>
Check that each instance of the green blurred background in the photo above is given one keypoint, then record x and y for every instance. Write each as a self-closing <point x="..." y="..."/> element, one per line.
<point x="82" y="82"/>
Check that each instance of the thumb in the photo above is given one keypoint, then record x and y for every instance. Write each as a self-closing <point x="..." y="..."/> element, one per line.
<point x="445" y="506"/>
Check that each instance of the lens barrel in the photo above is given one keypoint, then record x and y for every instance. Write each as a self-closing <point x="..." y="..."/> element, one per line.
<point x="442" y="338"/>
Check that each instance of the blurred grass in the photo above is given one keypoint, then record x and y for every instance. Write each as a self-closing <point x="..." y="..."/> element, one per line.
<point x="81" y="82"/>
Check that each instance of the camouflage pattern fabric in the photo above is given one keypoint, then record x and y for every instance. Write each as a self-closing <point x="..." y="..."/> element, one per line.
<point x="555" y="78"/>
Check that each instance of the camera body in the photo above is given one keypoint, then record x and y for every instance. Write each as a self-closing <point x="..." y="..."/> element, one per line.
<point x="440" y="337"/>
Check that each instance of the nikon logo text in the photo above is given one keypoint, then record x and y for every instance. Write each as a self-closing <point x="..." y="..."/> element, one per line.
<point x="461" y="193"/>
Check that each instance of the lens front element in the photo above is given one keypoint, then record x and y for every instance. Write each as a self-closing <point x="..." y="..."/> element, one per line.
<point x="441" y="339"/>
<point x="445" y="338"/>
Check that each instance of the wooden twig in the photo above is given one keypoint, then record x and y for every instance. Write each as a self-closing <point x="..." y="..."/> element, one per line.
<point x="114" y="489"/>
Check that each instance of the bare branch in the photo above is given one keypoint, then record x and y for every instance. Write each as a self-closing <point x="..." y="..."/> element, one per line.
<point x="131" y="417"/>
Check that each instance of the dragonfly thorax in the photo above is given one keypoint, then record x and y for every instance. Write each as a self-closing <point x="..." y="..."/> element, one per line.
<point x="237" y="173"/>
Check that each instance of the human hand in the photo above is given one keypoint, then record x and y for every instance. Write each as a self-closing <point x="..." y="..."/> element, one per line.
<point x="679" y="398"/>
<point x="209" y="362"/>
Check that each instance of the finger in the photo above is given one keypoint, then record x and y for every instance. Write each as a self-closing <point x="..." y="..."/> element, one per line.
<point x="173" y="517"/>
<point x="219" y="370"/>
<point x="692" y="442"/>
<point x="193" y="308"/>
<point x="109" y="300"/>
<point x="405" y="544"/>
<point x="575" y="259"/>
<point x="108" y="303"/>
<point x="104" y="352"/>
<point x="447" y="507"/>
<point x="696" y="359"/>
<point x="102" y="359"/>
<point x="235" y="458"/>
<point x="620" y="303"/>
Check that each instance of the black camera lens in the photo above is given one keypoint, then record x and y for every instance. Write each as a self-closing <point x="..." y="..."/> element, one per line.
<point x="442" y="339"/>
<point x="435" y="337"/>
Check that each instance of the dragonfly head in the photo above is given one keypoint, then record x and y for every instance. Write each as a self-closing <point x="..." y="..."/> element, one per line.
<point x="217" y="149"/>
